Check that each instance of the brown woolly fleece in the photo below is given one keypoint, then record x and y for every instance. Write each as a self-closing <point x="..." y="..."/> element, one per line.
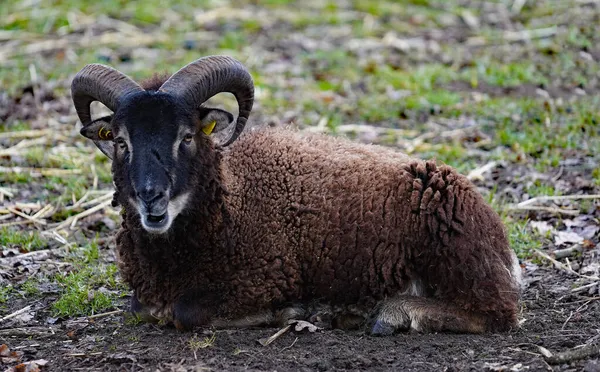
<point x="279" y="217"/>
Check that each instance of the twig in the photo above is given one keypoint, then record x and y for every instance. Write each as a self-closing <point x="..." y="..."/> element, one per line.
<point x="567" y="252"/>
<point x="18" y="312"/>
<point x="477" y="173"/>
<point x="23" y="145"/>
<point x="586" y="351"/>
<point x="97" y="316"/>
<point x="522" y="351"/>
<point x="27" y="332"/>
<point x="557" y="197"/>
<point x="560" y="266"/>
<point x="40" y="171"/>
<point x="524" y="35"/>
<point x="97" y="200"/>
<point x="73" y="219"/>
<point x="26" y="133"/>
<point x="15" y="223"/>
<point x="84" y="355"/>
<point x="26" y="216"/>
<point x="569" y="212"/>
<point x="583" y="287"/>
<point x="566" y="321"/>
<point x="289" y="347"/>
<point x="6" y="191"/>
<point x="268" y="340"/>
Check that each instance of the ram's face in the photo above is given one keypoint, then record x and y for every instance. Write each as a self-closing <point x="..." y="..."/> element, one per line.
<point x="154" y="142"/>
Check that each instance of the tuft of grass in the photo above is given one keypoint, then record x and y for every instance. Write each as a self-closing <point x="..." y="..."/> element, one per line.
<point x="82" y="291"/>
<point x="91" y="288"/>
<point x="521" y="238"/>
<point x="538" y="188"/>
<point x="26" y="241"/>
<point x="30" y="287"/>
<point x="195" y="343"/>
<point x="5" y="292"/>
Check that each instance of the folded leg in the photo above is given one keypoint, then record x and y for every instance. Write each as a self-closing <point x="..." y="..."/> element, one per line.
<point x="424" y="314"/>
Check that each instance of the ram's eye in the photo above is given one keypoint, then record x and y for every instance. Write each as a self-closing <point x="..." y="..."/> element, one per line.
<point x="188" y="138"/>
<point x="121" y="142"/>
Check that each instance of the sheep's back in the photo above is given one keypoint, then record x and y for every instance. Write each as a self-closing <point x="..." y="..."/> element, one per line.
<point x="327" y="218"/>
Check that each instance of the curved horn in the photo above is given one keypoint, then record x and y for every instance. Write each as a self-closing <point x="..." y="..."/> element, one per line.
<point x="207" y="76"/>
<point x="97" y="82"/>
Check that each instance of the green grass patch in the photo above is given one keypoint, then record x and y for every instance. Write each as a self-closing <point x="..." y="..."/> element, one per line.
<point x="538" y="188"/>
<point x="5" y="292"/>
<point x="25" y="241"/>
<point x="520" y="238"/>
<point x="503" y="74"/>
<point x="89" y="289"/>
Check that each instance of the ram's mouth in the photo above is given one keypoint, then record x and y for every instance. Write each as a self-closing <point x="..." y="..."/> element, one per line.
<point x="156" y="219"/>
<point x="156" y="223"/>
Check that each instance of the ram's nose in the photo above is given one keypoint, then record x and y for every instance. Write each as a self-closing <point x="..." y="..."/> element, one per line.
<point x="154" y="201"/>
<point x="150" y="195"/>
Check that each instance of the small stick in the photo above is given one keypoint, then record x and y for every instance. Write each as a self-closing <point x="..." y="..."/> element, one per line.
<point x="15" y="223"/>
<point x="40" y="171"/>
<point x="522" y="351"/>
<point x="583" y="287"/>
<point x="26" y="216"/>
<point x="289" y="347"/>
<point x="18" y="312"/>
<point x="97" y="316"/>
<point x="567" y="252"/>
<point x="569" y="212"/>
<point x="35" y="255"/>
<point x="267" y="341"/>
<point x="586" y="351"/>
<point x="557" y="197"/>
<point x="560" y="266"/>
<point x="477" y="174"/>
<point x="85" y="213"/>
<point x="7" y="192"/>
<point x="523" y="35"/>
<point x="26" y="133"/>
<point x="42" y="212"/>
<point x="27" y="331"/>
<point x="84" y="355"/>
<point x="97" y="200"/>
<point x="566" y="321"/>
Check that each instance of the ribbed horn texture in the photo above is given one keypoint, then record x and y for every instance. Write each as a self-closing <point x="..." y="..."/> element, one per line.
<point x="207" y="76"/>
<point x="101" y="83"/>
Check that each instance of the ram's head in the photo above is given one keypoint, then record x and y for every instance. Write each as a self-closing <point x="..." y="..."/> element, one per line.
<point x="154" y="136"/>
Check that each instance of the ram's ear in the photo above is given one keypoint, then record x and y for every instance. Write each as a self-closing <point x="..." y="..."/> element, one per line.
<point x="213" y="120"/>
<point x="100" y="131"/>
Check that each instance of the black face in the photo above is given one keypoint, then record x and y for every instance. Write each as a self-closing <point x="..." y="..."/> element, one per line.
<point x="155" y="143"/>
<point x="154" y="146"/>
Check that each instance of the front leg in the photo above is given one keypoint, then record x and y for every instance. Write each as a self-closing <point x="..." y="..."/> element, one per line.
<point x="194" y="309"/>
<point x="141" y="311"/>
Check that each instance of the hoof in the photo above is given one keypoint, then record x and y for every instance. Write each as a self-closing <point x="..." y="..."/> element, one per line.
<point x="381" y="328"/>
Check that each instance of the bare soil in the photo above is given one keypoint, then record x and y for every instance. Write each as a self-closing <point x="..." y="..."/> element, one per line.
<point x="553" y="318"/>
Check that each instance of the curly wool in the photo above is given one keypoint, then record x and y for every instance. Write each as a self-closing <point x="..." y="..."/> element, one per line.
<point x="279" y="217"/>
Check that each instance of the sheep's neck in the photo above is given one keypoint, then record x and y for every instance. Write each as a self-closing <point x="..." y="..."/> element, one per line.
<point x="185" y="256"/>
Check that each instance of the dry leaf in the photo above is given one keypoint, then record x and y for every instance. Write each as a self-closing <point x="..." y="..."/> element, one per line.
<point x="542" y="227"/>
<point x="302" y="325"/>
<point x="567" y="237"/>
<point x="4" y="351"/>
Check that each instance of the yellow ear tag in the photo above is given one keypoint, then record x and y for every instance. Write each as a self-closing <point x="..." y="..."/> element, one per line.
<point x="104" y="134"/>
<point x="209" y="128"/>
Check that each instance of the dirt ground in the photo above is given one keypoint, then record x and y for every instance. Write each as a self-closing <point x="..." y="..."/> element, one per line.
<point x="552" y="318"/>
<point x="507" y="92"/>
